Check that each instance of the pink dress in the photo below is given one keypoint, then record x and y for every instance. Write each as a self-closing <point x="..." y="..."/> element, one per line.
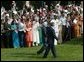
<point x="29" y="35"/>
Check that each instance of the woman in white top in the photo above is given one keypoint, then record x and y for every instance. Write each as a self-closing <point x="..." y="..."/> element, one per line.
<point x="21" y="30"/>
<point x="36" y="40"/>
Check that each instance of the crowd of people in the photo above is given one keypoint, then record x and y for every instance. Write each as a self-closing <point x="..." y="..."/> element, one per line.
<point x="27" y="28"/>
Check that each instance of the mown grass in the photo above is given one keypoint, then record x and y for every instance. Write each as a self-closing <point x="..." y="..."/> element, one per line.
<point x="69" y="51"/>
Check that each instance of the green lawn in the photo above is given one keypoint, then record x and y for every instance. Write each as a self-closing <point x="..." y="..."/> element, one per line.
<point x="69" y="51"/>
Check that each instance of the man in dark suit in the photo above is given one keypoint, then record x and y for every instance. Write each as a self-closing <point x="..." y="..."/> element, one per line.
<point x="50" y="40"/>
<point x="44" y="25"/>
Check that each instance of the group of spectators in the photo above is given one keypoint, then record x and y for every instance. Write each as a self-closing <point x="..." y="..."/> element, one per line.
<point x="26" y="28"/>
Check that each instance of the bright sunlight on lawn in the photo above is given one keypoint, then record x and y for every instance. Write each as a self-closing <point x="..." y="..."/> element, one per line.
<point x="69" y="51"/>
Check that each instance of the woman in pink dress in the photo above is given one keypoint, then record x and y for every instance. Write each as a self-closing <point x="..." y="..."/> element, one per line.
<point x="29" y="37"/>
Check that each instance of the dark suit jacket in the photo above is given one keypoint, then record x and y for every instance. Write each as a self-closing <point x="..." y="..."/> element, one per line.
<point x="50" y="36"/>
<point x="43" y="34"/>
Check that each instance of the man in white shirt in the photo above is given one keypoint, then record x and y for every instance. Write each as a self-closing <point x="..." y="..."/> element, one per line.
<point x="55" y="27"/>
<point x="63" y="20"/>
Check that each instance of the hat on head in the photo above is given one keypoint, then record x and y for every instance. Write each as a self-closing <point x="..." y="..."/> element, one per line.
<point x="38" y="10"/>
<point x="69" y="5"/>
<point x="44" y="9"/>
<point x="27" y="13"/>
<point x="32" y="10"/>
<point x="65" y="11"/>
<point x="51" y="23"/>
<point x="15" y="12"/>
<point x="57" y="5"/>
<point x="7" y="15"/>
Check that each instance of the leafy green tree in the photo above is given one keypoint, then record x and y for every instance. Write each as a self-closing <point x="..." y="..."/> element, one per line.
<point x="6" y="4"/>
<point x="20" y="4"/>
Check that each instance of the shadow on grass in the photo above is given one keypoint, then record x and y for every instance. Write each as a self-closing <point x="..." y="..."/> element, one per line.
<point x="26" y="55"/>
<point x="75" y="41"/>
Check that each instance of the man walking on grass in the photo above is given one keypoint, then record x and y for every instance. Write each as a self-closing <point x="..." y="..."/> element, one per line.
<point x="50" y="40"/>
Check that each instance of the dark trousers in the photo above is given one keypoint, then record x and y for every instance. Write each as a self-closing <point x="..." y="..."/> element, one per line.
<point x="10" y="43"/>
<point x="2" y="41"/>
<point x="48" y="48"/>
<point x="63" y="33"/>
<point x="72" y="30"/>
<point x="44" y="41"/>
<point x="68" y="33"/>
<point x="21" y="38"/>
<point x="42" y="49"/>
<point x="7" y="39"/>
